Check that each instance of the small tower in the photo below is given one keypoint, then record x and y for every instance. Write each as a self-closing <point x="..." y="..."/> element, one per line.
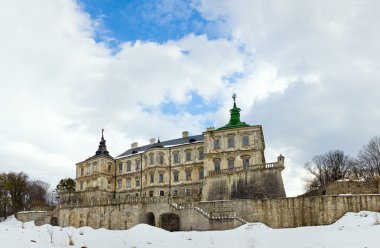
<point x="102" y="146"/>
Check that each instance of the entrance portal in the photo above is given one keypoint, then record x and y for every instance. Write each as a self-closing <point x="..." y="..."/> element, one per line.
<point x="170" y="222"/>
<point x="149" y="219"/>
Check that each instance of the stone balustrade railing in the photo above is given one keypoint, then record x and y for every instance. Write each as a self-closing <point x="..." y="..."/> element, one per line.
<point x="248" y="168"/>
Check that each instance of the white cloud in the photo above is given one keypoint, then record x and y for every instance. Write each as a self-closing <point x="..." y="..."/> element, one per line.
<point x="60" y="87"/>
<point x="320" y="77"/>
<point x="306" y="70"/>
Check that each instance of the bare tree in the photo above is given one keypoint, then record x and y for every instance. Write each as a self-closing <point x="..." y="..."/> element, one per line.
<point x="368" y="162"/>
<point x="325" y="168"/>
<point x="50" y="230"/>
<point x="15" y="184"/>
<point x="37" y="193"/>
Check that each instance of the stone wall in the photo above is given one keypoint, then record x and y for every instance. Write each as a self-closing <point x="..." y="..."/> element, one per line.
<point x="39" y="217"/>
<point x="253" y="183"/>
<point x="217" y="215"/>
<point x="347" y="187"/>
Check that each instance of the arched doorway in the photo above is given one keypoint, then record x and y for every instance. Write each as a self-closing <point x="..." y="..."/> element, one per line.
<point x="170" y="222"/>
<point x="149" y="219"/>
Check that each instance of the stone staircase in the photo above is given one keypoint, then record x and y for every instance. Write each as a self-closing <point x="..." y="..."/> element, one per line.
<point x="205" y="213"/>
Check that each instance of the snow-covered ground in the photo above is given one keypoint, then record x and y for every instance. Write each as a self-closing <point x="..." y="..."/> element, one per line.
<point x="354" y="230"/>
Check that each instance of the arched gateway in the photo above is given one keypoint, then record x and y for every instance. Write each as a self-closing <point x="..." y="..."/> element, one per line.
<point x="169" y="221"/>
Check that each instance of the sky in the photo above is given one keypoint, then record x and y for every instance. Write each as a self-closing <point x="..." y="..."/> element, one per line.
<point x="307" y="71"/>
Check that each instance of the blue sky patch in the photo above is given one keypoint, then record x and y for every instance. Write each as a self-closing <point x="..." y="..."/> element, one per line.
<point x="195" y="106"/>
<point x="157" y="21"/>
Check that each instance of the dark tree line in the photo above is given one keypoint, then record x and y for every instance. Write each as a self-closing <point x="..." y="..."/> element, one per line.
<point x="18" y="192"/>
<point x="336" y="165"/>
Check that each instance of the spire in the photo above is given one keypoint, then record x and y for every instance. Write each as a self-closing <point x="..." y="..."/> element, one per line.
<point x="234" y="117"/>
<point x="102" y="150"/>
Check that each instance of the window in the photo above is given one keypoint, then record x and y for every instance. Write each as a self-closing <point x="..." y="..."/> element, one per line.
<point x="161" y="158"/>
<point x="188" y="155"/>
<point x="216" y="143"/>
<point x="188" y="192"/>
<point x="161" y="178"/>
<point x="162" y="193"/>
<point x="176" y="158"/>
<point x="175" y="176"/>
<point x="109" y="167"/>
<point x="81" y="185"/>
<point x="151" y="158"/>
<point x="137" y="182"/>
<point x="129" y="165"/>
<point x="175" y="192"/>
<point x="151" y="193"/>
<point x="109" y="184"/>
<point x="151" y="178"/>
<point x="82" y="171"/>
<point x="137" y="165"/>
<point x="119" y="183"/>
<point x="231" y="163"/>
<point x="188" y="175"/>
<point x="200" y="189"/>
<point x="231" y="142"/>
<point x="245" y="163"/>
<point x="128" y="183"/>
<point x="217" y="165"/>
<point x="120" y="167"/>
<point x="245" y="140"/>
<point x="201" y="154"/>
<point x="201" y="173"/>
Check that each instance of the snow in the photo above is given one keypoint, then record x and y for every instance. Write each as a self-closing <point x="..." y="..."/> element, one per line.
<point x="352" y="231"/>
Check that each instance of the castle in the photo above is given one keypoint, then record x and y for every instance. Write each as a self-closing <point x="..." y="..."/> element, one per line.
<point x="213" y="181"/>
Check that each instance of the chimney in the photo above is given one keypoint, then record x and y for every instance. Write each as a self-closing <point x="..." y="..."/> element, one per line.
<point x="134" y="145"/>
<point x="210" y="129"/>
<point x="152" y="141"/>
<point x="185" y="134"/>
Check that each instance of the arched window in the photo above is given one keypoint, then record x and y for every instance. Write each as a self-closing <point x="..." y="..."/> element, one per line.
<point x="201" y="153"/>
<point x="231" y="163"/>
<point x="188" y="155"/>
<point x="161" y="158"/>
<point x="176" y="157"/>
<point x="201" y="173"/>
<point x="216" y="143"/>
<point x="231" y="142"/>
<point x="129" y="165"/>
<point x="120" y="167"/>
<point x="188" y="175"/>
<point x="217" y="164"/>
<point x="245" y="162"/>
<point x="175" y="176"/>
<point x="151" y="158"/>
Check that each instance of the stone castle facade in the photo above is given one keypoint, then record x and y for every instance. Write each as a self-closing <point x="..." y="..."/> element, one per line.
<point x="227" y="163"/>
<point x="213" y="181"/>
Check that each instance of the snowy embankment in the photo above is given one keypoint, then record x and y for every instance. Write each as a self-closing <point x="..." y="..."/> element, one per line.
<point x="354" y="230"/>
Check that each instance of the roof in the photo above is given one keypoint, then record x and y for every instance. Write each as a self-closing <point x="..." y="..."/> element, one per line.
<point x="167" y="143"/>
